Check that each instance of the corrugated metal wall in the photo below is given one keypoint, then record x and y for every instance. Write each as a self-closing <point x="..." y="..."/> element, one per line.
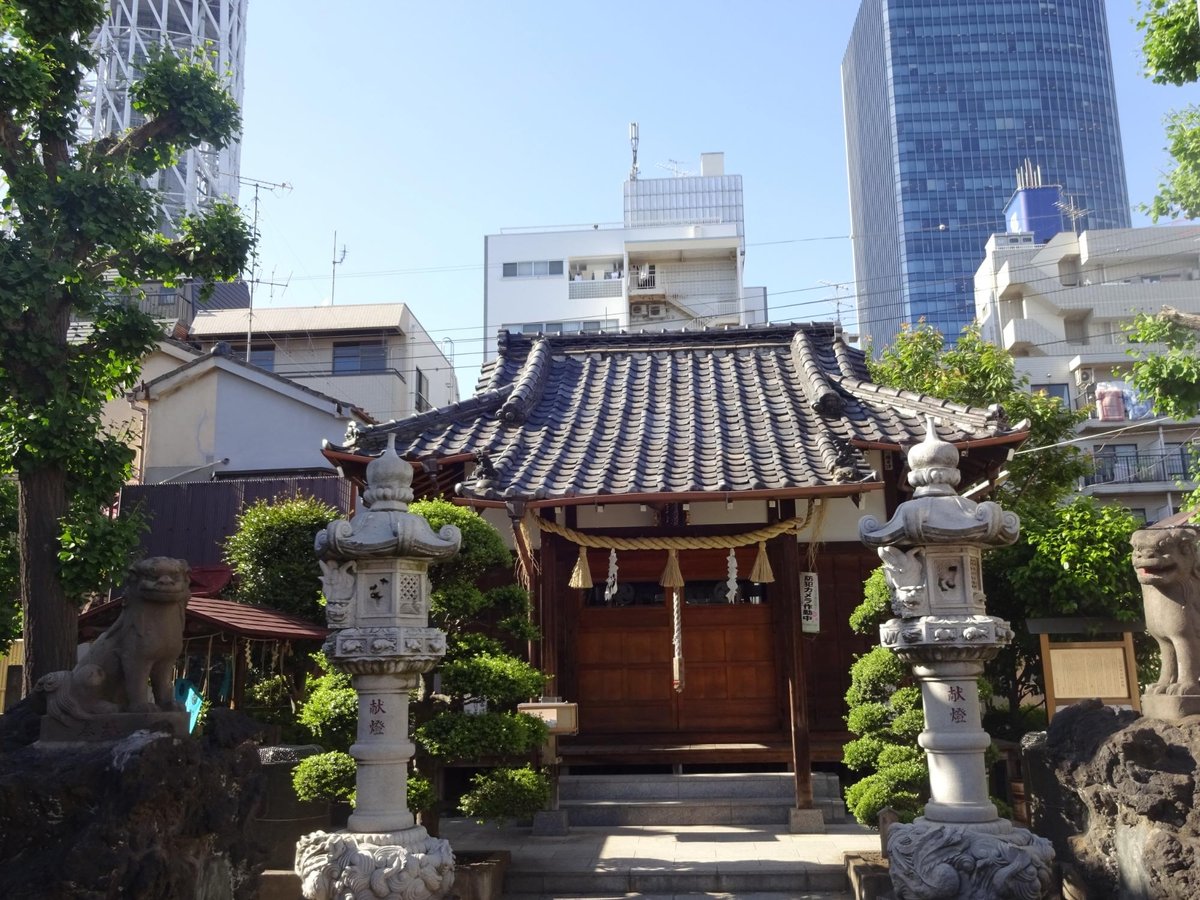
<point x="191" y="520"/>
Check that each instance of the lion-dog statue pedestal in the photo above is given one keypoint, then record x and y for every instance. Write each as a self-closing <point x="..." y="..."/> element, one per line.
<point x="124" y="681"/>
<point x="1167" y="561"/>
<point x="960" y="849"/>
<point x="377" y="602"/>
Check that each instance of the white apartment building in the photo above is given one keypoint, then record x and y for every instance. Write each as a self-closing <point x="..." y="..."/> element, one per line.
<point x="376" y="356"/>
<point x="1060" y="307"/>
<point x="676" y="261"/>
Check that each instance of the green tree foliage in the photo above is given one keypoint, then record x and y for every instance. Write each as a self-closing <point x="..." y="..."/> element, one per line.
<point x="10" y="566"/>
<point x="1168" y="373"/>
<point x="77" y="236"/>
<point x="272" y="554"/>
<point x="977" y="373"/>
<point x="1171" y="47"/>
<point x="1170" y="40"/>
<point x="1046" y="572"/>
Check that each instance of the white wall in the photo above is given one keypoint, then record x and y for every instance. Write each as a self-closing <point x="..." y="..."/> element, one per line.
<point x="222" y="415"/>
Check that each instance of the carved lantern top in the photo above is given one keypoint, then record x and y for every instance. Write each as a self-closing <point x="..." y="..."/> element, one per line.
<point x="385" y="528"/>
<point x="937" y="514"/>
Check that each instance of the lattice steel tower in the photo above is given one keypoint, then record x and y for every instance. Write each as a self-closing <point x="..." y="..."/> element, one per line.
<point x="133" y="27"/>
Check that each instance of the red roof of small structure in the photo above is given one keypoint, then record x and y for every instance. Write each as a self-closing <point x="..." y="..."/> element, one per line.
<point x="242" y="619"/>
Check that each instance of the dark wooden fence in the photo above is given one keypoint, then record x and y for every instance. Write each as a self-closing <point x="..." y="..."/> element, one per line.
<point x="191" y="520"/>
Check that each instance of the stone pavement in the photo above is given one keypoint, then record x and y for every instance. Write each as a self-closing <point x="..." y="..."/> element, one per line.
<point x="669" y="860"/>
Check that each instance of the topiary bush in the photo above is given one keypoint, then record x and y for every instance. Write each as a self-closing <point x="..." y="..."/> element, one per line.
<point x="485" y="620"/>
<point x="330" y="708"/>
<point x="272" y="554"/>
<point x="326" y="776"/>
<point x="886" y="714"/>
<point x="502" y="794"/>
<point x="454" y="736"/>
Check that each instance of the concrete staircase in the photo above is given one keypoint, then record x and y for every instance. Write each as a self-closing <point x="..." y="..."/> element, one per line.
<point x="742" y="798"/>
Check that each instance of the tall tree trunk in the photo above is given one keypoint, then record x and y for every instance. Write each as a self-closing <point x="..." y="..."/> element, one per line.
<point x="51" y="620"/>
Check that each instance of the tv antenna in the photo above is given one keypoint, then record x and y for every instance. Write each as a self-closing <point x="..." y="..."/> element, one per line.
<point x="838" y="287"/>
<point x="337" y="261"/>
<point x="633" y="142"/>
<point x="1072" y="211"/>
<point x="675" y="167"/>
<point x="275" y="188"/>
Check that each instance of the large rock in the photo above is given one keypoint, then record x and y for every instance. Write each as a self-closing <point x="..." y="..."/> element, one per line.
<point x="149" y="816"/>
<point x="1117" y="795"/>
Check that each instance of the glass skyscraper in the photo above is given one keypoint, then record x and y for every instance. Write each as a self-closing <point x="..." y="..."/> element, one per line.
<point x="944" y="101"/>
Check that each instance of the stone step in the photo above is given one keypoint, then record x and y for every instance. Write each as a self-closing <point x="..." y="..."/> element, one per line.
<point x="692" y="786"/>
<point x="724" y="811"/>
<point x="749" y="879"/>
<point x="741" y="895"/>
<point x="723" y="799"/>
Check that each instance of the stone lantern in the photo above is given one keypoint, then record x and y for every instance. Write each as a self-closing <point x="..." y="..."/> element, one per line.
<point x="931" y="553"/>
<point x="376" y="586"/>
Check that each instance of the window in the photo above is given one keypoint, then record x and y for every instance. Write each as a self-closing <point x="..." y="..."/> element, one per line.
<point x="422" y="400"/>
<point x="569" y="327"/>
<point x="1061" y="391"/>
<point x="263" y="357"/>
<point x="359" y="357"/>
<point x="540" y="268"/>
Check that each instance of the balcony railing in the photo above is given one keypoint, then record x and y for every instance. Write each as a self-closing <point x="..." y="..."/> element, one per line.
<point x="1140" y="467"/>
<point x="599" y="288"/>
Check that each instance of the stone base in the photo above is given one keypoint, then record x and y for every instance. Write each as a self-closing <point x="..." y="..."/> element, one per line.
<point x="113" y="726"/>
<point x="955" y="862"/>
<point x="1170" y="707"/>
<point x="397" y="865"/>
<point x="551" y="823"/>
<point x="806" y="821"/>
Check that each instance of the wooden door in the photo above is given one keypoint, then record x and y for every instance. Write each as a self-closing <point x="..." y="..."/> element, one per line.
<point x="623" y="655"/>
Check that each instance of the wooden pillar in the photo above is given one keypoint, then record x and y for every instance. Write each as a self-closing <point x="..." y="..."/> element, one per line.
<point x="548" y="613"/>
<point x="787" y="590"/>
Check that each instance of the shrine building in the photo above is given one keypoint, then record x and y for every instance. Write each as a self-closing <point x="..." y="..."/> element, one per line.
<point x="687" y="505"/>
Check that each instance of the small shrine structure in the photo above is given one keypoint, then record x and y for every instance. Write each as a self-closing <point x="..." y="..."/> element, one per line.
<point x="685" y="506"/>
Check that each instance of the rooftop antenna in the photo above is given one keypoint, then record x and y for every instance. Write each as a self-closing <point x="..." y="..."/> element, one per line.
<point x="675" y="167"/>
<point x="274" y="187"/>
<point x="1029" y="176"/>
<point x="1068" y="208"/>
<point x="633" y="142"/>
<point x="337" y="261"/>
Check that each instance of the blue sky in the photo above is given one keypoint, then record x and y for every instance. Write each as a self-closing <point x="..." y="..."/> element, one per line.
<point x="414" y="129"/>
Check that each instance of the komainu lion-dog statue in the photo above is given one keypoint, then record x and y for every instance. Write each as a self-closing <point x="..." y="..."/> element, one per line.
<point x="140" y="648"/>
<point x="1167" y="561"/>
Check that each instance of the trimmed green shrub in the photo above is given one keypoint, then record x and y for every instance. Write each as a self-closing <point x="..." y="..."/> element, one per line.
<point x="502" y="794"/>
<point x="272" y="554"/>
<point x="499" y="679"/>
<point x="326" y="776"/>
<point x="453" y="736"/>
<point x="330" y="709"/>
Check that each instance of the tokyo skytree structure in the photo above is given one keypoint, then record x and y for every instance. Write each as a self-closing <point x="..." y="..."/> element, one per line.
<point x="134" y="27"/>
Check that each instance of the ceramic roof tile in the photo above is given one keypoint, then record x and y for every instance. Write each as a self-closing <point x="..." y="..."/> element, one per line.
<point x="771" y="408"/>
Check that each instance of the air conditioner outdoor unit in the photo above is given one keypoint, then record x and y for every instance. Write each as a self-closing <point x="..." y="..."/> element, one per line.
<point x="1084" y="376"/>
<point x="637" y="309"/>
<point x="656" y="311"/>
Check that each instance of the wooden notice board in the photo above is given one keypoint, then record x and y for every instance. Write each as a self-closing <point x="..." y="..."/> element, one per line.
<point x="1081" y="669"/>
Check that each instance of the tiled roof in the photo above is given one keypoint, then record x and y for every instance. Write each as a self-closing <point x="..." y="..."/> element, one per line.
<point x="774" y="409"/>
<point x="214" y="323"/>
<point x="243" y="619"/>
